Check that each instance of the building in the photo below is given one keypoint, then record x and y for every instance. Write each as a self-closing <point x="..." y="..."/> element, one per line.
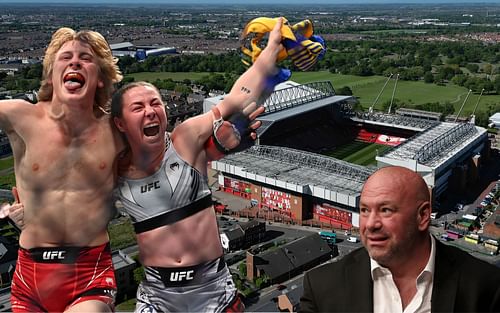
<point x="289" y="260"/>
<point x="243" y="235"/>
<point x="124" y="275"/>
<point x="494" y="120"/>
<point x="139" y="52"/>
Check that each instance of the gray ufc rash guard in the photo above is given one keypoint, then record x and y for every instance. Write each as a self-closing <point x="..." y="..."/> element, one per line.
<point x="174" y="192"/>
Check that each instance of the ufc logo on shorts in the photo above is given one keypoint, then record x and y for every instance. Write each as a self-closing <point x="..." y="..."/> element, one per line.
<point x="53" y="255"/>
<point x="182" y="275"/>
<point x="150" y="186"/>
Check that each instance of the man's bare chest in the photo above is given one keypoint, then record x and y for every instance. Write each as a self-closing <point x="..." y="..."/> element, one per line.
<point x="56" y="159"/>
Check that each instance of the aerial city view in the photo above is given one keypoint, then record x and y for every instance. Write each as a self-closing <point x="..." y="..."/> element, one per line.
<point x="266" y="156"/>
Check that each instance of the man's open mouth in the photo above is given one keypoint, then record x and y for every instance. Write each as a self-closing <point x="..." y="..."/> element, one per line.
<point x="74" y="80"/>
<point x="151" y="130"/>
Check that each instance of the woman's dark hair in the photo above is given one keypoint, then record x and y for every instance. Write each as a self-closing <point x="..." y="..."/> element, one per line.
<point x="117" y="99"/>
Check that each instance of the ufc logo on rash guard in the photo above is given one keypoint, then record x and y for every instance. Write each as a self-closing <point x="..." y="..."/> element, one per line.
<point x="150" y="186"/>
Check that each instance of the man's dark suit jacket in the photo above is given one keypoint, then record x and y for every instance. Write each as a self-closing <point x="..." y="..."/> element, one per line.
<point x="462" y="283"/>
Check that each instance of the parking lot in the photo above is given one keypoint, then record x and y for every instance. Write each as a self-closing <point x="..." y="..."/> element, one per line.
<point x="482" y="214"/>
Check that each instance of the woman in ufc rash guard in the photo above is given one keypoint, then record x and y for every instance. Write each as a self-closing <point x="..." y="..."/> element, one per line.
<point x="164" y="188"/>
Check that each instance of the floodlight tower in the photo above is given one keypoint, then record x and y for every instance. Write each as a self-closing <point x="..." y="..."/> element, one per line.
<point x="393" y="92"/>
<point x="376" y="99"/>
<point x="460" y="111"/>
<point x="473" y="115"/>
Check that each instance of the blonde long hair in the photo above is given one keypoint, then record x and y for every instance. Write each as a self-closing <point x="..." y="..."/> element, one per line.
<point x="108" y="69"/>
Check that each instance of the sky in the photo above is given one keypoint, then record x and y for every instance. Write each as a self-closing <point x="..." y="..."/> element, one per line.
<point x="253" y="1"/>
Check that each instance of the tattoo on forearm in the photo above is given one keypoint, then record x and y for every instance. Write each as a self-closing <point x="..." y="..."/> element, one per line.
<point x="245" y="89"/>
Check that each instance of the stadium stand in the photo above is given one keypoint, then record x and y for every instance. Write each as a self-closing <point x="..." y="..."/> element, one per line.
<point x="366" y="136"/>
<point x="420" y="114"/>
<point x="391" y="120"/>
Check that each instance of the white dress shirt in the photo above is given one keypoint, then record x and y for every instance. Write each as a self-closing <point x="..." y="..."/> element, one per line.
<point x="386" y="296"/>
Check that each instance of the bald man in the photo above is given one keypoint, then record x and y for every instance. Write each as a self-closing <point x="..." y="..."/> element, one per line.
<point x="401" y="267"/>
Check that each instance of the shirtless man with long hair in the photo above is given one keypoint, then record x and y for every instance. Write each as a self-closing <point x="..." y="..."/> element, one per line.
<point x="64" y="159"/>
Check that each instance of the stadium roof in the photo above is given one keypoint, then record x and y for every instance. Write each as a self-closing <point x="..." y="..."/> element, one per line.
<point x="392" y="120"/>
<point x="269" y="119"/>
<point x="298" y="171"/>
<point x="211" y="101"/>
<point x="121" y="45"/>
<point x="437" y="144"/>
<point x="290" y="99"/>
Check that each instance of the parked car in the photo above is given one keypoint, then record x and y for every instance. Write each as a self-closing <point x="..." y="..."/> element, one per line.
<point x="352" y="239"/>
<point x="445" y="237"/>
<point x="459" y="206"/>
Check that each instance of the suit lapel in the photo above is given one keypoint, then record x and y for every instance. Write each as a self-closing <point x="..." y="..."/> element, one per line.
<point x="359" y="284"/>
<point x="446" y="279"/>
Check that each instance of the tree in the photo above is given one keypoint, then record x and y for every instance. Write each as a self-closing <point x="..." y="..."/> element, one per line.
<point x="242" y="267"/>
<point x="460" y="80"/>
<point x="34" y="71"/>
<point x="261" y="281"/>
<point x="428" y="77"/>
<point x="168" y="84"/>
<point x="127" y="79"/>
<point x="488" y="69"/>
<point x="139" y="274"/>
<point x="126" y="61"/>
<point x="473" y="68"/>
<point x="344" y="91"/>
<point x="447" y="72"/>
<point x="183" y="89"/>
<point x="482" y="119"/>
<point x="34" y="84"/>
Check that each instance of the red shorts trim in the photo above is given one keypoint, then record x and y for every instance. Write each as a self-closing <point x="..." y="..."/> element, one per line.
<point x="54" y="286"/>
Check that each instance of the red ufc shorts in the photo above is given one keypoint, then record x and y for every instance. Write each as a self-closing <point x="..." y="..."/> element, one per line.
<point x="53" y="279"/>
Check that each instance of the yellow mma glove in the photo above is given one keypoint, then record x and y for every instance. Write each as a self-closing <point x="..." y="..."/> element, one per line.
<point x="301" y="45"/>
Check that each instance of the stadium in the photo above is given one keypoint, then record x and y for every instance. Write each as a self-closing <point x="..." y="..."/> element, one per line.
<point x="314" y="153"/>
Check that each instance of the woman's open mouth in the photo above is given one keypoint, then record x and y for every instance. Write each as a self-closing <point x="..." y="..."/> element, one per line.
<point x="151" y="130"/>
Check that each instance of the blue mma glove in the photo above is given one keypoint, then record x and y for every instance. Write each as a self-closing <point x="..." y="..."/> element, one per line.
<point x="231" y="136"/>
<point x="241" y="125"/>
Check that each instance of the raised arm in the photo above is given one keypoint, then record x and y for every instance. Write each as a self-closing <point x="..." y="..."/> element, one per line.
<point x="257" y="80"/>
<point x="191" y="136"/>
<point x="12" y="112"/>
